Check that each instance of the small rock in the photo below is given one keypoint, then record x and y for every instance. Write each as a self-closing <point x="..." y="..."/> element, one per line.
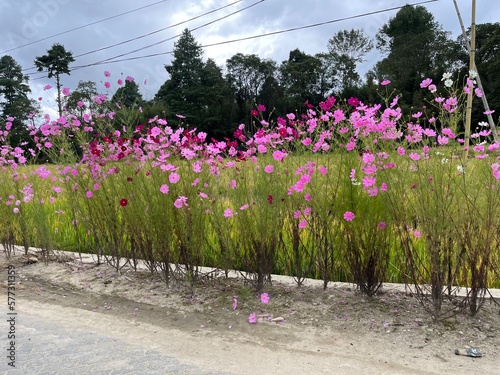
<point x="278" y="319"/>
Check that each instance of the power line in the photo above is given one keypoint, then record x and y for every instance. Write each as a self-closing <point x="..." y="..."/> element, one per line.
<point x="107" y="61"/>
<point x="157" y="31"/>
<point x="175" y="36"/>
<point x="84" y="26"/>
<point x="162" y="41"/>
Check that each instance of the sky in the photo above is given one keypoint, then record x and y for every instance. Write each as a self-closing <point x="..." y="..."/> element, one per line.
<point x="98" y="30"/>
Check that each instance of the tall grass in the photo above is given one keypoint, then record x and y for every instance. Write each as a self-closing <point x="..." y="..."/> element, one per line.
<point x="356" y="194"/>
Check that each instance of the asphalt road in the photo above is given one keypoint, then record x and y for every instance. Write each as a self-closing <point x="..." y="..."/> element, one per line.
<point x="52" y="347"/>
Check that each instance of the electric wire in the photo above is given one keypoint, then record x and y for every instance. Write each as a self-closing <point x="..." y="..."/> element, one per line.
<point x="157" y="31"/>
<point x="83" y="26"/>
<point x="112" y="60"/>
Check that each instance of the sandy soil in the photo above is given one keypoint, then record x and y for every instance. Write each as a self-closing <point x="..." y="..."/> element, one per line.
<point x="302" y="330"/>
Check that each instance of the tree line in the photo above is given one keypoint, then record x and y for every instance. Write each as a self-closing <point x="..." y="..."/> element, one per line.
<point x="217" y="99"/>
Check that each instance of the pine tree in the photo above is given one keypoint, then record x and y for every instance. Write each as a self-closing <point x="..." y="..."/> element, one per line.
<point x="14" y="101"/>
<point x="55" y="62"/>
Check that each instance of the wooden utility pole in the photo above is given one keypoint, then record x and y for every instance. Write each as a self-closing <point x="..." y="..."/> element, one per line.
<point x="484" y="99"/>
<point x="472" y="65"/>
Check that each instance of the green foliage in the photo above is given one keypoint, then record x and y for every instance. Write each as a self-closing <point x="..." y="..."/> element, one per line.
<point x="14" y="101"/>
<point x="299" y="77"/>
<point x="346" y="49"/>
<point x="55" y="62"/>
<point x="248" y="75"/>
<point x="128" y="96"/>
<point x="85" y="92"/>
<point x="196" y="89"/>
<point x="416" y="48"/>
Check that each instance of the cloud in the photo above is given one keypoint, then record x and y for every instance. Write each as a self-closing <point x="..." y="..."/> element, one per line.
<point x="30" y="25"/>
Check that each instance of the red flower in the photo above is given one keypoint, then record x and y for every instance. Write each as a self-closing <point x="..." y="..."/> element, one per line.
<point x="255" y="113"/>
<point x="123" y="202"/>
<point x="270" y="199"/>
<point x="282" y="132"/>
<point x="353" y="101"/>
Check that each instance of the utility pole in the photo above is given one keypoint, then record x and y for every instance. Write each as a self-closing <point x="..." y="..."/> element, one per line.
<point x="478" y="78"/>
<point x="472" y="65"/>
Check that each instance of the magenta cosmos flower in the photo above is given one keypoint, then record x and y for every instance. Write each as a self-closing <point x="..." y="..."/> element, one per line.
<point x="349" y="216"/>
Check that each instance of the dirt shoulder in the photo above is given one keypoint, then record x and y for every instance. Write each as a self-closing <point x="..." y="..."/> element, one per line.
<point x="316" y="332"/>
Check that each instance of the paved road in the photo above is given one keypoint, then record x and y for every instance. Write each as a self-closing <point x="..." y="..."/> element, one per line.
<point x="46" y="347"/>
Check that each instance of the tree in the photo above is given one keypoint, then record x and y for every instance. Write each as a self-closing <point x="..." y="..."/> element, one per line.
<point x="14" y="101"/>
<point x="128" y="96"/>
<point x="84" y="93"/>
<point x="416" y="48"/>
<point x="215" y="99"/>
<point x="300" y="76"/>
<point x="346" y="50"/>
<point x="247" y="75"/>
<point x="180" y="92"/>
<point x="55" y="62"/>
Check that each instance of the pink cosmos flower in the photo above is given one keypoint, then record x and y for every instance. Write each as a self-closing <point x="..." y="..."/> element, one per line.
<point x="107" y="85"/>
<point x="352" y="174"/>
<point x="173" y="178"/>
<point x="279" y="155"/>
<point x="180" y="202"/>
<point x="303" y="224"/>
<point x="349" y="216"/>
<point x="164" y="188"/>
<point x="269" y="169"/>
<point x="107" y="74"/>
<point x="65" y="91"/>
<point x="308" y="197"/>
<point x="368" y="158"/>
<point x="425" y="83"/>
<point x="442" y="140"/>
<point x="261" y="149"/>
<point x="228" y="213"/>
<point x="120" y="82"/>
<point x="350" y="146"/>
<point x="382" y="225"/>
<point x="323" y="170"/>
<point x="413" y="156"/>
<point x="244" y="207"/>
<point x="264" y="298"/>
<point x="252" y="318"/>
<point x="417" y="234"/>
<point x="235" y="303"/>
<point x="385" y="82"/>
<point x="369" y="181"/>
<point x="89" y="194"/>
